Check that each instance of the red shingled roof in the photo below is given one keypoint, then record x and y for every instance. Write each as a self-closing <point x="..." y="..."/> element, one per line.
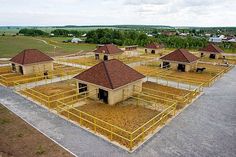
<point x="110" y="74"/>
<point x="154" y="46"/>
<point x="29" y="56"/>
<point x="212" y="48"/>
<point x="108" y="49"/>
<point x="180" y="55"/>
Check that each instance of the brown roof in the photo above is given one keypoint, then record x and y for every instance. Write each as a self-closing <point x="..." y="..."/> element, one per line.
<point x="108" y="49"/>
<point x="154" y="46"/>
<point x="212" y="48"/>
<point x="29" y="56"/>
<point x="110" y="74"/>
<point x="180" y="55"/>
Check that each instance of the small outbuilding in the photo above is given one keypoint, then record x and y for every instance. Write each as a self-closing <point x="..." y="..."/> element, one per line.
<point x="211" y="51"/>
<point x="76" y="40"/>
<point x="153" y="48"/>
<point x="31" y="61"/>
<point x="107" y="52"/>
<point x="113" y="80"/>
<point x="131" y="48"/>
<point x="180" y="59"/>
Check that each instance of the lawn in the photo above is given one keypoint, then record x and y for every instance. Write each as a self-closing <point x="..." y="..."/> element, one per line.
<point x="10" y="45"/>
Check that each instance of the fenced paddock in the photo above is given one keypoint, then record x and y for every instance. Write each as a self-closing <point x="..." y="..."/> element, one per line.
<point x="207" y="77"/>
<point x="128" y="123"/>
<point x="9" y="78"/>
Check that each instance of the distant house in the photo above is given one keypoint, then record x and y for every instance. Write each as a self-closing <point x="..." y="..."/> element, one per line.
<point x="153" y="48"/>
<point x="168" y="33"/>
<point x="211" y="51"/>
<point x="31" y="61"/>
<point x="107" y="52"/>
<point x="180" y="59"/>
<point x="84" y="35"/>
<point x="70" y="35"/>
<point x="131" y="48"/>
<point x="215" y="40"/>
<point x="76" y="40"/>
<point x="112" y="80"/>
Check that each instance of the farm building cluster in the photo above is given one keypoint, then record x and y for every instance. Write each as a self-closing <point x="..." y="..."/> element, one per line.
<point x="123" y="95"/>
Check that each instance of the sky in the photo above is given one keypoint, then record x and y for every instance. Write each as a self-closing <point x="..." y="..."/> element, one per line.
<point x="111" y="12"/>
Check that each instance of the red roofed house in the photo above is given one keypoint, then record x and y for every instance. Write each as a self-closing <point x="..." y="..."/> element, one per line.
<point x="153" y="48"/>
<point x="113" y="80"/>
<point x="212" y="51"/>
<point x="31" y="61"/>
<point x="107" y="51"/>
<point x="180" y="59"/>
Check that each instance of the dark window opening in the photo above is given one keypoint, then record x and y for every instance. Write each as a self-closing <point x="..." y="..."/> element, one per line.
<point x="166" y="64"/>
<point x="96" y="56"/>
<point x="153" y="52"/>
<point x="13" y="67"/>
<point x="82" y="87"/>
<point x="212" y="56"/>
<point x="105" y="58"/>
<point x="103" y="95"/>
<point x="181" y="67"/>
<point x="21" y="70"/>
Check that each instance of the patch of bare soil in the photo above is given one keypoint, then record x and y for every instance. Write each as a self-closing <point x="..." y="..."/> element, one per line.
<point x="18" y="139"/>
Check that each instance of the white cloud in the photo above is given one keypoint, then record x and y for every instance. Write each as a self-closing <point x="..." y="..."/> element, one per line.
<point x="84" y="12"/>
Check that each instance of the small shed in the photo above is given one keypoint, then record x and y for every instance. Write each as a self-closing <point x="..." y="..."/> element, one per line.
<point x="211" y="51"/>
<point x="180" y="59"/>
<point x="131" y="48"/>
<point x="31" y="61"/>
<point x="107" y="52"/>
<point x="153" y="48"/>
<point x="113" y="80"/>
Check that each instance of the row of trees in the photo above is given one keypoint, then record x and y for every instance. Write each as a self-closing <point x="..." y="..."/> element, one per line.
<point x="129" y="37"/>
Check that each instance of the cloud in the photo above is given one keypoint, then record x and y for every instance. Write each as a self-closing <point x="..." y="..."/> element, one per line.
<point x="163" y="12"/>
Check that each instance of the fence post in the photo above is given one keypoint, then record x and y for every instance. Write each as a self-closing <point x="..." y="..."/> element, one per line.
<point x="131" y="141"/>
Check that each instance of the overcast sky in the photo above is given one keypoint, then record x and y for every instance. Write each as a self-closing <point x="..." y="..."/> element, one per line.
<point x="108" y="12"/>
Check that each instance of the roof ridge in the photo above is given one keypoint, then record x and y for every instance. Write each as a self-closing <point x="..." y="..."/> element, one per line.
<point x="108" y="76"/>
<point x="184" y="54"/>
<point x="23" y="61"/>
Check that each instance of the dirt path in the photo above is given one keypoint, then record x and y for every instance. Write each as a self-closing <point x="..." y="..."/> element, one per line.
<point x="19" y="139"/>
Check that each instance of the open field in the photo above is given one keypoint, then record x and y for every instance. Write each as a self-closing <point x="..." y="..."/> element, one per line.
<point x="9" y="78"/>
<point x="19" y="43"/>
<point x="20" y="139"/>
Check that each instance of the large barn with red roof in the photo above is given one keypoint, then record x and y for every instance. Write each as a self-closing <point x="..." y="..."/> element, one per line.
<point x="211" y="51"/>
<point x="31" y="61"/>
<point x="112" y="80"/>
<point x="180" y="59"/>
<point x="107" y="52"/>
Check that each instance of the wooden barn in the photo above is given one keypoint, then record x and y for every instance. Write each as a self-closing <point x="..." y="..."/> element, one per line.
<point x="31" y="61"/>
<point x="107" y="52"/>
<point x="153" y="48"/>
<point x="180" y="59"/>
<point x="212" y="51"/>
<point x="113" y="80"/>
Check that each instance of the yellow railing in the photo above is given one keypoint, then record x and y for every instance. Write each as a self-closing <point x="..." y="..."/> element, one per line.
<point x="127" y="138"/>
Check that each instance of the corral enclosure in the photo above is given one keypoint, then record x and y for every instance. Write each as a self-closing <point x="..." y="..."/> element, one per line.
<point x="9" y="78"/>
<point x="128" y="122"/>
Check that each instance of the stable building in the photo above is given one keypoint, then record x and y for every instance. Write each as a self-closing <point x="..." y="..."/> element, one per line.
<point x="179" y="59"/>
<point x="107" y="52"/>
<point x="212" y="51"/>
<point x="131" y="48"/>
<point x="153" y="48"/>
<point x="31" y="61"/>
<point x="113" y="80"/>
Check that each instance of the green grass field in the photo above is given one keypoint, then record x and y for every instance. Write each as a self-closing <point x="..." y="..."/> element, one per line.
<point x="9" y="45"/>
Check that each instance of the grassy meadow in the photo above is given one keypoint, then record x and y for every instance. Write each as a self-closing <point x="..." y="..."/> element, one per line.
<point x="10" y="46"/>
